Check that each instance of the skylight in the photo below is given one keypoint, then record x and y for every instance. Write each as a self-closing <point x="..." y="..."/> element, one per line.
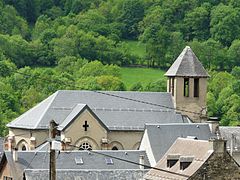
<point x="109" y="161"/>
<point x="79" y="160"/>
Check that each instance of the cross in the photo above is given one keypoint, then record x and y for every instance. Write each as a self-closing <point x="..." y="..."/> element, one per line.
<point x="85" y="126"/>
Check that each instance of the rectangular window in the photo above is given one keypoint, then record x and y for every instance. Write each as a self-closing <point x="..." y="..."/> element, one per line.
<point x="186" y="87"/>
<point x="172" y="86"/>
<point x="196" y="87"/>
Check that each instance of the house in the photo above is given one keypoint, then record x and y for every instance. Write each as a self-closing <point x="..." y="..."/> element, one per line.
<point x="197" y="160"/>
<point x="114" y="120"/>
<point x="90" y="165"/>
<point x="158" y="138"/>
<point x="232" y="135"/>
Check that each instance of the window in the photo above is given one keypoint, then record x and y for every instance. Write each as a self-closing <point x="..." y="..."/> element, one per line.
<point x="171" y="87"/>
<point x="24" y="148"/>
<point x="78" y="160"/>
<point x="184" y="165"/>
<point x="196" y="87"/>
<point x="186" y="87"/>
<point x="7" y="178"/>
<point x="114" y="148"/>
<point x="85" y="146"/>
<point x="171" y="162"/>
<point x="109" y="161"/>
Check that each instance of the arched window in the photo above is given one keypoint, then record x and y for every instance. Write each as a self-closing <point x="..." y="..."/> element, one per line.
<point x="24" y="148"/>
<point x="85" y="146"/>
<point x="114" y="148"/>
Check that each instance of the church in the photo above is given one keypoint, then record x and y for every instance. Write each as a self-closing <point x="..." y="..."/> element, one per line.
<point x="114" y="120"/>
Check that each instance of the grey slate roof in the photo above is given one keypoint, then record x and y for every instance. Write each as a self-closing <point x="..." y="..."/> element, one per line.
<point x="39" y="160"/>
<point x="162" y="136"/>
<point x="32" y="174"/>
<point x="231" y="134"/>
<point x="115" y="113"/>
<point x="187" y="65"/>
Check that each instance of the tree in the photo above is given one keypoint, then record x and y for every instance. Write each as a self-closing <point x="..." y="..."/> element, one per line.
<point x="132" y="13"/>
<point x="197" y="24"/>
<point x="225" y="24"/>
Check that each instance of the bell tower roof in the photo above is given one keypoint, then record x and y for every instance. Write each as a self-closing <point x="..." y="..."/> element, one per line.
<point x="187" y="65"/>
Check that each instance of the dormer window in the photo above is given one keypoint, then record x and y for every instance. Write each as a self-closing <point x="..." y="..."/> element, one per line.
<point x="172" y="159"/>
<point x="185" y="162"/>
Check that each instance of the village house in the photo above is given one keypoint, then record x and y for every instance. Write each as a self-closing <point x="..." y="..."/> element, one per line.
<point x="196" y="160"/>
<point x="114" y="120"/>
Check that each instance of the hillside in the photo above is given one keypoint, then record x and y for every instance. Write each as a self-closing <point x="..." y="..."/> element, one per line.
<point x="62" y="44"/>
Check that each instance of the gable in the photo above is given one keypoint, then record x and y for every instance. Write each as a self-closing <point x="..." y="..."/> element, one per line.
<point x="85" y="125"/>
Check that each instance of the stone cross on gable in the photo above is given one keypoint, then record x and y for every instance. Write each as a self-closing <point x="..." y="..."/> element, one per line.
<point x="85" y="126"/>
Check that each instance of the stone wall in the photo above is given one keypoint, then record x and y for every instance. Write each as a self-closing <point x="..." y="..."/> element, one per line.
<point x="218" y="166"/>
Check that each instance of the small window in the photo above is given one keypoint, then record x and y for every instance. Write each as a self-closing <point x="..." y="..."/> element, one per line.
<point x="172" y="86"/>
<point x="196" y="87"/>
<point x="79" y="160"/>
<point x="7" y="178"/>
<point x="114" y="148"/>
<point x="186" y="87"/>
<point x="171" y="162"/>
<point x="85" y="146"/>
<point x="109" y="161"/>
<point x="184" y="165"/>
<point x="24" y="148"/>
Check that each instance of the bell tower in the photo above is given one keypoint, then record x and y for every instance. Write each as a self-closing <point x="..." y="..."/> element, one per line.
<point x="187" y="82"/>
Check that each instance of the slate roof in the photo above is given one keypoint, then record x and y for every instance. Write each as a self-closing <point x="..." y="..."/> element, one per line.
<point x="133" y="174"/>
<point x="39" y="160"/>
<point x="231" y="134"/>
<point x="115" y="113"/>
<point x="187" y="65"/>
<point x="162" y="136"/>
<point x="199" y="150"/>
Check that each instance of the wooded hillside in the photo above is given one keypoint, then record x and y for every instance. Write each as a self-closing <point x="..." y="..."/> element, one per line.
<point x="46" y="45"/>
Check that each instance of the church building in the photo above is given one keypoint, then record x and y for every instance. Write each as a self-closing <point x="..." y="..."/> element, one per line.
<point x="114" y="120"/>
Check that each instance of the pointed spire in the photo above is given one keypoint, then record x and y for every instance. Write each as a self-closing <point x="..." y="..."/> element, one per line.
<point x="187" y="65"/>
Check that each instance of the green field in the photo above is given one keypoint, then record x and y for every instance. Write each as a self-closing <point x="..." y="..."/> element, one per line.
<point x="131" y="75"/>
<point x="136" y="48"/>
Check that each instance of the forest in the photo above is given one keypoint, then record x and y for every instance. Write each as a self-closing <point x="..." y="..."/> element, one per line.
<point x="47" y="45"/>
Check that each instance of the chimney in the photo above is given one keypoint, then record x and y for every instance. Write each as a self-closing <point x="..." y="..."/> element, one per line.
<point x="213" y="124"/>
<point x="218" y="145"/>
<point x="15" y="154"/>
<point x="32" y="143"/>
<point x="10" y="143"/>
<point x="141" y="162"/>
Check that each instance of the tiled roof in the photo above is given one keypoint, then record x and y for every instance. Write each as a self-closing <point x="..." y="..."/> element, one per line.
<point x="198" y="150"/>
<point x="162" y="136"/>
<point x="187" y="65"/>
<point x="115" y="113"/>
